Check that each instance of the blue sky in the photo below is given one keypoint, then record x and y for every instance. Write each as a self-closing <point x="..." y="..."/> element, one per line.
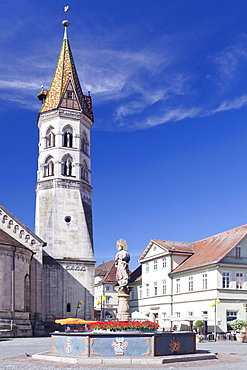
<point x="169" y="86"/>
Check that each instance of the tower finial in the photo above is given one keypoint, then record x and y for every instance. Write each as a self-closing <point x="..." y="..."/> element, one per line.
<point x="65" y="23"/>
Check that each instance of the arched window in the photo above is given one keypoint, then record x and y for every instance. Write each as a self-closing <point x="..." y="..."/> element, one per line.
<point x="50" y="138"/>
<point x="85" y="171"/>
<point x="67" y="166"/>
<point x="84" y="143"/>
<point x="68" y="137"/>
<point x="27" y="293"/>
<point x="49" y="167"/>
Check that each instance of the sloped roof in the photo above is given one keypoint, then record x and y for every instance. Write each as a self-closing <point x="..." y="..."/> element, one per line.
<point x="136" y="275"/>
<point x="64" y="75"/>
<point x="2" y="208"/>
<point x="107" y="270"/>
<point x="213" y="249"/>
<point x="171" y="246"/>
<point x="8" y="240"/>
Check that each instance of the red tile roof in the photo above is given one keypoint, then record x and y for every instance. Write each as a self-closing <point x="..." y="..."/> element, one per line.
<point x="136" y="275"/>
<point x="107" y="270"/>
<point x="213" y="249"/>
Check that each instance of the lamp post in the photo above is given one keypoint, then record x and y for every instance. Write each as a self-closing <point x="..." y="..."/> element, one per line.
<point x="102" y="307"/>
<point x="79" y="304"/>
<point x="217" y="300"/>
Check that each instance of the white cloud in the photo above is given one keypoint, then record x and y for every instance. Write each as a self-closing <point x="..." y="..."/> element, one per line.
<point x="236" y="103"/>
<point x="176" y="114"/>
<point x="136" y="82"/>
<point x="18" y="85"/>
<point x="230" y="61"/>
<point x="129" y="109"/>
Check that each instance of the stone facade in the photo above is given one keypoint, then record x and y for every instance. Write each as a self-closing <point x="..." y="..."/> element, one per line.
<point x="63" y="194"/>
<point x="43" y="281"/>
<point x="20" y="278"/>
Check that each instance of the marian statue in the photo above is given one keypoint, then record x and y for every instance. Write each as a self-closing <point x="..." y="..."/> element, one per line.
<point x="122" y="262"/>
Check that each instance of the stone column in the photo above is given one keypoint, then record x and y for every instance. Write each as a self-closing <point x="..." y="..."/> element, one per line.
<point x="123" y="309"/>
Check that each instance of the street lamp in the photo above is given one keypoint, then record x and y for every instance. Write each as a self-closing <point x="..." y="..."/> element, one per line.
<point x="217" y="300"/>
<point x="79" y="304"/>
<point x="102" y="307"/>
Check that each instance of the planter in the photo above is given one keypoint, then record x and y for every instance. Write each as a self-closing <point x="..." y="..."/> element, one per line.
<point x="240" y="338"/>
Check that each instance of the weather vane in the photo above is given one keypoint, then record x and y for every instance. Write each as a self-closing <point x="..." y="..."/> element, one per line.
<point x="65" y="22"/>
<point x="65" y="9"/>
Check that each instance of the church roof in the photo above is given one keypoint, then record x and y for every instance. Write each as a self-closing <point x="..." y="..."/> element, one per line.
<point x="66" y="79"/>
<point x="8" y="240"/>
<point x="213" y="249"/>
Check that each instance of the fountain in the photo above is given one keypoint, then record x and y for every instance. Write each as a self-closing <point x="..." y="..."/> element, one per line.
<point x="116" y="342"/>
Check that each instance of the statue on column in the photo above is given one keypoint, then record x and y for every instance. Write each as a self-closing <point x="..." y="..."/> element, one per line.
<point x="122" y="263"/>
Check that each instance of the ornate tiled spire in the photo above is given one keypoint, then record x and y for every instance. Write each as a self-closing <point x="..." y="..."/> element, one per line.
<point x="65" y="90"/>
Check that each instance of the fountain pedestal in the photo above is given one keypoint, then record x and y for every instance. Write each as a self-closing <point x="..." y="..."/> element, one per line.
<point x="123" y="309"/>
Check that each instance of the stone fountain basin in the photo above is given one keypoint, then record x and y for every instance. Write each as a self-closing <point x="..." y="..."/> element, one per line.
<point x="123" y="343"/>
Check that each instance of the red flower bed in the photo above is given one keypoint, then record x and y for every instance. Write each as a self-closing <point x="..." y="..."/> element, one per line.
<point x="123" y="325"/>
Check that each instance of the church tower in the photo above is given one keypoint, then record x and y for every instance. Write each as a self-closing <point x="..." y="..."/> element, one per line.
<point x="63" y="193"/>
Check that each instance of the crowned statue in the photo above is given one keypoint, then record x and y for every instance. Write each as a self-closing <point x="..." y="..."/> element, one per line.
<point x="122" y="263"/>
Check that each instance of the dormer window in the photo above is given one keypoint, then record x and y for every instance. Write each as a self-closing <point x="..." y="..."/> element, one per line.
<point x="238" y="251"/>
<point x="69" y="95"/>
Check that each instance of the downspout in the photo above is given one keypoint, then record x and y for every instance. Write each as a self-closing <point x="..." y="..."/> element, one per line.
<point x="171" y="290"/>
<point x="13" y="290"/>
<point x="171" y="286"/>
<point x="31" y="311"/>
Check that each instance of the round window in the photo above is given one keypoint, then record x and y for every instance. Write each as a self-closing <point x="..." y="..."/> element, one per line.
<point x="67" y="219"/>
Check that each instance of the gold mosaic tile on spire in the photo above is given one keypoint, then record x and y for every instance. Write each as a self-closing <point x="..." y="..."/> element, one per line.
<point x="66" y="72"/>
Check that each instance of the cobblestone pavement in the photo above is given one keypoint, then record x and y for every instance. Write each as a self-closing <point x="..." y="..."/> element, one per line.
<point x="15" y="354"/>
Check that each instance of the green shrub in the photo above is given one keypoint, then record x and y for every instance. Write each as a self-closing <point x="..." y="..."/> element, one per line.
<point x="199" y="323"/>
<point x="238" y="324"/>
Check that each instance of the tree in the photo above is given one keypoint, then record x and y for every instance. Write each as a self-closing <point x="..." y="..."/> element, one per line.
<point x="199" y="324"/>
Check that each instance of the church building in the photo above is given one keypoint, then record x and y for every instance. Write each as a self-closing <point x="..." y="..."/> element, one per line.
<point x="53" y="268"/>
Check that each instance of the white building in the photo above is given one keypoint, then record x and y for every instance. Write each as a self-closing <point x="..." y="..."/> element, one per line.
<point x="180" y="281"/>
